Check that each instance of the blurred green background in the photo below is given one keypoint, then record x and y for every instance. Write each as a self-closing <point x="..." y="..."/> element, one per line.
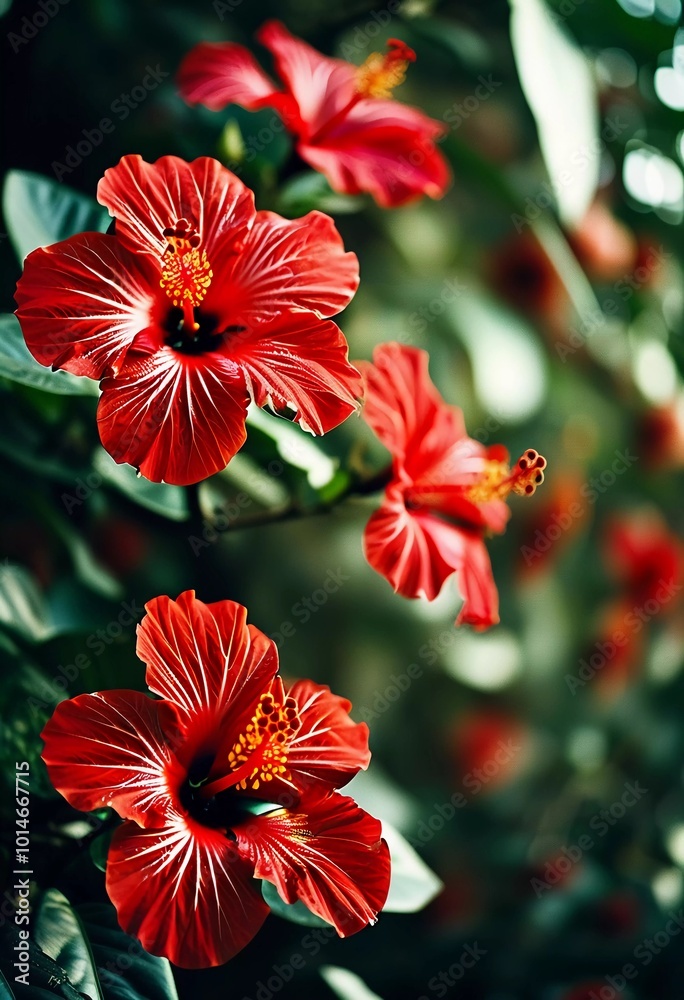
<point x="536" y="768"/>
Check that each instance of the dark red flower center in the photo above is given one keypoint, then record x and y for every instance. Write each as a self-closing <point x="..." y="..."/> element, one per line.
<point x="185" y="279"/>
<point x="258" y="756"/>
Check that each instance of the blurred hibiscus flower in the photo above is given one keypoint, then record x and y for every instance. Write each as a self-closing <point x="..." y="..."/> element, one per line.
<point x="346" y="125"/>
<point x="645" y="557"/>
<point x="197" y="304"/>
<point x="446" y="492"/>
<point x="230" y="777"/>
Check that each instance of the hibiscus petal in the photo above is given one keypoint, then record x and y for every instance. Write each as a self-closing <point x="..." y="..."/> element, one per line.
<point x="176" y="417"/>
<point x="322" y="87"/>
<point x="384" y="148"/>
<point x="402" y="405"/>
<point x="219" y="73"/>
<point x="288" y="264"/>
<point x="299" y="362"/>
<point x="476" y="585"/>
<point x="205" y="658"/>
<point x="329" y="747"/>
<point x="329" y="854"/>
<point x="147" y="198"/>
<point x="417" y="553"/>
<point x="113" y="749"/>
<point x="184" y="892"/>
<point x="83" y="301"/>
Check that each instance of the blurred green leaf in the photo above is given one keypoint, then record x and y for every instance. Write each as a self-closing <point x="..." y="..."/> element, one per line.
<point x="413" y="884"/>
<point x="296" y="913"/>
<point x="18" y="365"/>
<point x="310" y="191"/>
<point x="22" y="607"/>
<point x="40" y="211"/>
<point x="169" y="501"/>
<point x="59" y="933"/>
<point x="5" y="991"/>
<point x="560" y="90"/>
<point x="346" y="985"/>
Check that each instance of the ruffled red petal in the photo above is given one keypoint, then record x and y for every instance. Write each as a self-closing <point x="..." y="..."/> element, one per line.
<point x="176" y="417"/>
<point x="321" y="87"/>
<point x="329" y="747"/>
<point x="83" y="301"/>
<point x="402" y="405"/>
<point x="184" y="891"/>
<point x="219" y="73"/>
<point x="417" y="552"/>
<point x="208" y="661"/>
<point x="147" y="198"/>
<point x="329" y="854"/>
<point x="300" y="363"/>
<point x="285" y="264"/>
<point x="114" y="749"/>
<point x="384" y="148"/>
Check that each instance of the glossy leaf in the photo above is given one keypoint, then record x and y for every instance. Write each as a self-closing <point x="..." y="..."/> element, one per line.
<point x="17" y="365"/>
<point x="39" y="211"/>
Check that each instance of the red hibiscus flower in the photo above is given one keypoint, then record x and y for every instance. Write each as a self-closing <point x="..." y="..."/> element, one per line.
<point x="227" y="779"/>
<point x="346" y="124"/>
<point x="197" y="304"/>
<point x="645" y="558"/>
<point x="447" y="490"/>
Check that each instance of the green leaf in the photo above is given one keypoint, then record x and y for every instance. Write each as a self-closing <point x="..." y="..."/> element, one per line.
<point x="557" y="81"/>
<point x="345" y="984"/>
<point x="126" y="970"/>
<point x="5" y="991"/>
<point x="59" y="933"/>
<point x="413" y="885"/>
<point x="296" y="913"/>
<point x="99" y="850"/>
<point x="169" y="501"/>
<point x="46" y="979"/>
<point x="39" y="211"/>
<point x="310" y="191"/>
<point x="17" y="365"/>
<point x="22" y="608"/>
<point x="295" y="446"/>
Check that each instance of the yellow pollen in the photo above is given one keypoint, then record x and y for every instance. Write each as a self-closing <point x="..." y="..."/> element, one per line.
<point x="186" y="272"/>
<point x="497" y="480"/>
<point x="493" y="485"/>
<point x="380" y="74"/>
<point x="260" y="753"/>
